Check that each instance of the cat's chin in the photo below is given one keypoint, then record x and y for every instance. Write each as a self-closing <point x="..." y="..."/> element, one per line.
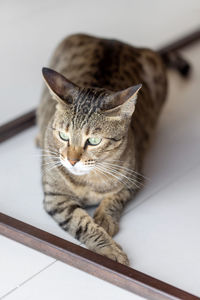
<point x="78" y="173"/>
<point x="79" y="169"/>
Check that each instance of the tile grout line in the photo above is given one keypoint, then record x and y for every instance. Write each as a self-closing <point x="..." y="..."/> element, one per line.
<point x="28" y="279"/>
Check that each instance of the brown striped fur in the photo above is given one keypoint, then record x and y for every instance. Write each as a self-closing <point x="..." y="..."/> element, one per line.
<point x="97" y="101"/>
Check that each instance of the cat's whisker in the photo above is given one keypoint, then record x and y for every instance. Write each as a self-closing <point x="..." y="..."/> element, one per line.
<point x="43" y="156"/>
<point x="131" y="180"/>
<point x="50" y="159"/>
<point x="49" y="148"/>
<point x="122" y="180"/>
<point x="47" y="156"/>
<point x="96" y="167"/>
<point x="95" y="170"/>
<point x="50" y="163"/>
<point x="128" y="169"/>
<point x="129" y="175"/>
<point x="110" y="173"/>
<point x="50" y="151"/>
<point x="50" y="156"/>
<point x="40" y="155"/>
<point x="105" y="173"/>
<point x="122" y="167"/>
<point x="54" y="166"/>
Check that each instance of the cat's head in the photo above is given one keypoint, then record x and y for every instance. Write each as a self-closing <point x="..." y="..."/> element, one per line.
<point x="90" y="125"/>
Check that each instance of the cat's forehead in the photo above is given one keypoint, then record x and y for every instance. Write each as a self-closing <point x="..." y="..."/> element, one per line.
<point x="83" y="112"/>
<point x="86" y="107"/>
<point x="86" y="114"/>
<point x="88" y="99"/>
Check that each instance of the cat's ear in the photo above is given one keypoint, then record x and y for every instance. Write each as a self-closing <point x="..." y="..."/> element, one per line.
<point x="60" y="87"/>
<point x="122" y="103"/>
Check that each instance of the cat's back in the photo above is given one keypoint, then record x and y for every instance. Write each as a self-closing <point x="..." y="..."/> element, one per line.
<point x="92" y="61"/>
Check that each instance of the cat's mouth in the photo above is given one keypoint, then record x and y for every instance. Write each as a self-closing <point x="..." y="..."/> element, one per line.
<point x="78" y="169"/>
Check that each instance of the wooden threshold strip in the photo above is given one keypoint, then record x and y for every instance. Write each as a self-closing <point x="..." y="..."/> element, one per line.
<point x="90" y="262"/>
<point x="17" y="125"/>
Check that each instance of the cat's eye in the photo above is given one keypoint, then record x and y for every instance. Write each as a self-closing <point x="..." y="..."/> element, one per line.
<point x="94" y="141"/>
<point x="64" y="136"/>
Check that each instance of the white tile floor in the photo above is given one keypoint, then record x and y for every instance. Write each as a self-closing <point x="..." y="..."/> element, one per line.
<point x="163" y="221"/>
<point x="60" y="281"/>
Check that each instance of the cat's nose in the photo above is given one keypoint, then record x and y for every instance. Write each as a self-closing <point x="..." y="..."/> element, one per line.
<point x="73" y="161"/>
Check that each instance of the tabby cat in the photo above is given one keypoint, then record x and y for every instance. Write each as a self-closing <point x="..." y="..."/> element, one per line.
<point x="93" y="134"/>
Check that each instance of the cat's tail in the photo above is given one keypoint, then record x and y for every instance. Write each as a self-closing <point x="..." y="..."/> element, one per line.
<point x="175" y="61"/>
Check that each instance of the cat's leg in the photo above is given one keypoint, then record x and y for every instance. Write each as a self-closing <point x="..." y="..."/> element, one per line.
<point x="108" y="213"/>
<point x="72" y="218"/>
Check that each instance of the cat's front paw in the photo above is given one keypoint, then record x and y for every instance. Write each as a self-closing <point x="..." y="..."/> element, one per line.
<point x="114" y="252"/>
<point x="107" y="222"/>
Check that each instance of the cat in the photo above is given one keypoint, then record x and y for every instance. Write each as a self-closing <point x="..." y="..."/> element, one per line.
<point x="94" y="136"/>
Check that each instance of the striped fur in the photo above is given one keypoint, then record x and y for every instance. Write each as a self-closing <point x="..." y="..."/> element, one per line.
<point x="86" y="105"/>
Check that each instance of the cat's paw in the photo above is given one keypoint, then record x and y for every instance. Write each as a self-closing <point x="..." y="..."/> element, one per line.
<point x="107" y="222"/>
<point x="114" y="252"/>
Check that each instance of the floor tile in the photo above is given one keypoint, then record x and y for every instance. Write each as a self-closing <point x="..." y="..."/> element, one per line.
<point x="18" y="263"/>
<point x="161" y="236"/>
<point x="61" y="281"/>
